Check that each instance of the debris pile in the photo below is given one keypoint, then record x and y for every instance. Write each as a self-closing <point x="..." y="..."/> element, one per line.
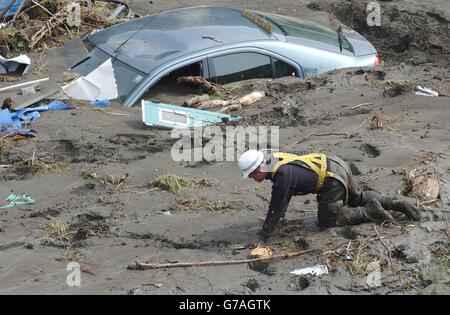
<point x="48" y="23"/>
<point x="224" y="106"/>
<point x="174" y="183"/>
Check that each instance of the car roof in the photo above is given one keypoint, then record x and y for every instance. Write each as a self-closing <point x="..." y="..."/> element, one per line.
<point x="150" y="41"/>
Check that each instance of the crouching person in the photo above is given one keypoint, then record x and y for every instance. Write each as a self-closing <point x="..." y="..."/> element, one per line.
<point x="341" y="201"/>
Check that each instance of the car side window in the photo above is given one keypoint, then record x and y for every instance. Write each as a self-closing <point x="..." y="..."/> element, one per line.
<point x="240" y="66"/>
<point x="283" y="69"/>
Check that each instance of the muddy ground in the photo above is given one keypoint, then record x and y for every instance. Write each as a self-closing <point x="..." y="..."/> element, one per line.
<point x="106" y="228"/>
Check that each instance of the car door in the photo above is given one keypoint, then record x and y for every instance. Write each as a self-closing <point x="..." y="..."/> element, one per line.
<point x="245" y="65"/>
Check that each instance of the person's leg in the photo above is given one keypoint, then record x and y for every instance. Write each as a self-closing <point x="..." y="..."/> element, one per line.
<point x="358" y="197"/>
<point x="330" y="204"/>
<point x="332" y="212"/>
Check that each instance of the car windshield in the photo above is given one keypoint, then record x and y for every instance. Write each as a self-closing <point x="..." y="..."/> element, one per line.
<point x="302" y="29"/>
<point x="126" y="77"/>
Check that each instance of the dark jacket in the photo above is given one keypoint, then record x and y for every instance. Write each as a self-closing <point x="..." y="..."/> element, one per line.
<point x="290" y="179"/>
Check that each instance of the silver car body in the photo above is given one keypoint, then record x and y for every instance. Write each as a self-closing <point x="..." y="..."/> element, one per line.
<point x="145" y="50"/>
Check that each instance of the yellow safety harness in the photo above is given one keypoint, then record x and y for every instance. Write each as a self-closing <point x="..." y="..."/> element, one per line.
<point x="315" y="161"/>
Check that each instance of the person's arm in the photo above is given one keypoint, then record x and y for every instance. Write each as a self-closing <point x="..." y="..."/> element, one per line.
<point x="282" y="191"/>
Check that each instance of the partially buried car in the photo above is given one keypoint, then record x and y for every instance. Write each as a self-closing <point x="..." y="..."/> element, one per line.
<point x="221" y="44"/>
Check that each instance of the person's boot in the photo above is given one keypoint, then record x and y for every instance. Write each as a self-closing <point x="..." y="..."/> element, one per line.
<point x="407" y="209"/>
<point x="374" y="212"/>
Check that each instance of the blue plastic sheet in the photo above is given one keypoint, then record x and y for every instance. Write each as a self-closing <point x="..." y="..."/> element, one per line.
<point x="13" y="10"/>
<point x="101" y="103"/>
<point x="12" y="122"/>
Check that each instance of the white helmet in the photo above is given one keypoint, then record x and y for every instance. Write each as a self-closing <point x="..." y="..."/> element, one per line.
<point x="249" y="161"/>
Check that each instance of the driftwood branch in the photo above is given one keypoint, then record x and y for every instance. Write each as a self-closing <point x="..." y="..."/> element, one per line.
<point x="444" y="208"/>
<point x="323" y="135"/>
<point x="145" y="266"/>
<point x="200" y="81"/>
<point x="385" y="246"/>
<point x="360" y="105"/>
<point x="345" y="134"/>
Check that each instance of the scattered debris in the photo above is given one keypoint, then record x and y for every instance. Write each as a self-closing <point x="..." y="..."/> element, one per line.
<point x="205" y="102"/>
<point x="385" y="246"/>
<point x="72" y="255"/>
<point x="9" y="7"/>
<point x="17" y="65"/>
<point x="12" y="122"/>
<point x="171" y="116"/>
<point x="425" y="91"/>
<point x="100" y="84"/>
<point x="43" y="167"/>
<point x="57" y="234"/>
<point x="315" y="271"/>
<point x="106" y="179"/>
<point x="18" y="200"/>
<point x="354" y="249"/>
<point x="48" y="22"/>
<point x="172" y="183"/>
<point x="382" y="121"/>
<point x="397" y="87"/>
